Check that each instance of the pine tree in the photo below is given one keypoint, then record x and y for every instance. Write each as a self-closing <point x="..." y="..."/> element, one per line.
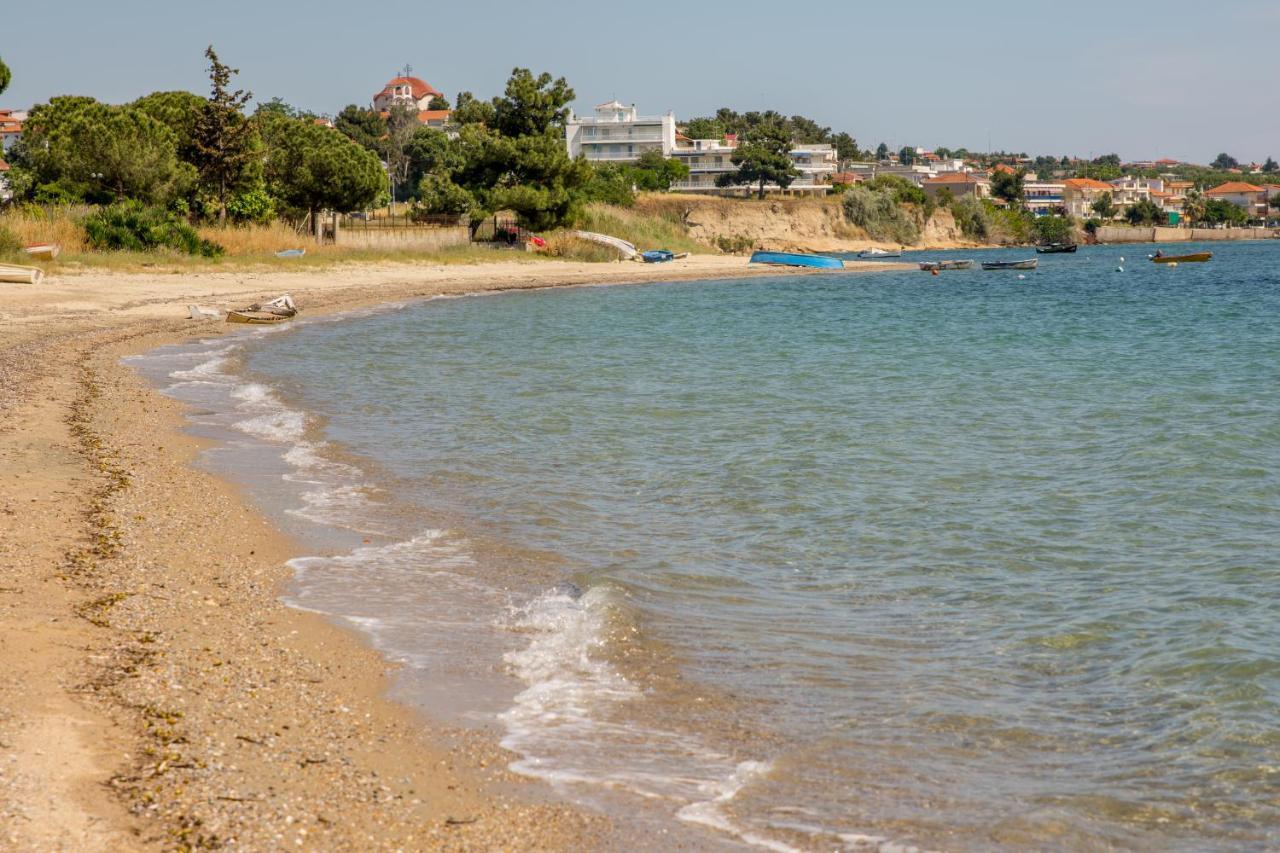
<point x="4" y="77"/>
<point x="224" y="141"/>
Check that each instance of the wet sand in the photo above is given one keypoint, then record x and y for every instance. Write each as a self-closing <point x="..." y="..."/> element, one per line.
<point x="154" y="692"/>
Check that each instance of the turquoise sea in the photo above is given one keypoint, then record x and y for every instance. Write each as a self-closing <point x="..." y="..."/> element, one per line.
<point x="845" y="561"/>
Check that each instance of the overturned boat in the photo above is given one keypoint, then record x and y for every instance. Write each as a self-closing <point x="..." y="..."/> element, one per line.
<point x="958" y="264"/>
<point x="797" y="259"/>
<point x="1028" y="264"/>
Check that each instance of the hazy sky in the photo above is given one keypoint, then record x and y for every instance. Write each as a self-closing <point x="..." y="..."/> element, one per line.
<point x="1174" y="78"/>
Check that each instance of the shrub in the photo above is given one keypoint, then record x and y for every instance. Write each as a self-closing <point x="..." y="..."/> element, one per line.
<point x="972" y="218"/>
<point x="255" y="205"/>
<point x="737" y="244"/>
<point x="10" y="245"/>
<point x="1052" y="229"/>
<point x="132" y="226"/>
<point x="569" y="247"/>
<point x="878" y="212"/>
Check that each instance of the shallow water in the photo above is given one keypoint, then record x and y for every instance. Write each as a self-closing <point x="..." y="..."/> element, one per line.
<point x="967" y="561"/>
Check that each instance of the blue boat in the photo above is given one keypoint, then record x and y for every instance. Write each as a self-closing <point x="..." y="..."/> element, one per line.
<point x="291" y="253"/>
<point x="795" y="259"/>
<point x="657" y="256"/>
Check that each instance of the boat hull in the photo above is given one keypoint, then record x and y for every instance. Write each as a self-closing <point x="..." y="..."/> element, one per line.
<point x="930" y="266"/>
<point x="795" y="259"/>
<point x="43" y="251"/>
<point x="1196" y="258"/>
<point x="1056" y="250"/>
<point x="20" y="275"/>
<point x="257" y="318"/>
<point x="1028" y="264"/>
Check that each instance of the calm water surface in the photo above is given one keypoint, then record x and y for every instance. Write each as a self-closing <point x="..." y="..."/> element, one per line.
<point x="962" y="562"/>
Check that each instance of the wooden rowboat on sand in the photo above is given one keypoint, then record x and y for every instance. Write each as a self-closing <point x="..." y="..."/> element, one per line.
<point x="43" y="251"/>
<point x="278" y="310"/>
<point x="20" y="275"/>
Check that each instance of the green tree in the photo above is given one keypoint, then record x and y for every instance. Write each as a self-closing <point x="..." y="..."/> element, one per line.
<point x="5" y="77"/>
<point x="704" y="128"/>
<point x="224" y="142"/>
<point x="402" y="122"/>
<point x="1104" y="206"/>
<point x="363" y="126"/>
<point x="846" y="147"/>
<point x="1225" y="161"/>
<point x="611" y="183"/>
<point x="882" y="152"/>
<point x="1270" y="166"/>
<point x="1145" y="212"/>
<point x="431" y="152"/>
<point x="1108" y="160"/>
<point x="1008" y="185"/>
<point x="276" y="107"/>
<point x="1219" y="211"/>
<point x="1052" y="229"/>
<point x="438" y="102"/>
<point x="177" y="111"/>
<point x="471" y="110"/>
<point x="101" y="152"/>
<point x="763" y="158"/>
<point x="531" y="106"/>
<point x="311" y="168"/>
<point x="907" y="155"/>
<point x="1193" y="206"/>
<point x="655" y="173"/>
<point x="439" y="195"/>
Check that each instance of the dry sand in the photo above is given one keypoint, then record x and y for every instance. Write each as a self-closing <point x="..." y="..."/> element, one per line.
<point x="154" y="692"/>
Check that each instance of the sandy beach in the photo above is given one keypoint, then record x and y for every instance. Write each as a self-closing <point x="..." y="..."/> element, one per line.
<point x="154" y="692"/>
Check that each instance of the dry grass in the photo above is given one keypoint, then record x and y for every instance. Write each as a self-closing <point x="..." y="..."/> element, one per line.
<point x="59" y="225"/>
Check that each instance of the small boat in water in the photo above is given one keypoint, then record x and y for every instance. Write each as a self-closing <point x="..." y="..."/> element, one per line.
<point x="879" y="253"/>
<point x="1028" y="264"/>
<point x="43" y="251"/>
<point x="277" y="310"/>
<point x="1056" y="248"/>
<point x="930" y="266"/>
<point x="1193" y="258"/>
<point x="657" y="256"/>
<point x="796" y="259"/>
<point x="21" y="275"/>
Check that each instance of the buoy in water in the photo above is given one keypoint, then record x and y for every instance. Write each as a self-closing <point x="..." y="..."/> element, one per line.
<point x="935" y="272"/>
<point x="1122" y="259"/>
<point x="1021" y="277"/>
<point x="1119" y="269"/>
<point x="1171" y="264"/>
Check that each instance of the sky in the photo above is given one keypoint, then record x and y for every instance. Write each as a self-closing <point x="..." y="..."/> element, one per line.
<point x="1140" y="78"/>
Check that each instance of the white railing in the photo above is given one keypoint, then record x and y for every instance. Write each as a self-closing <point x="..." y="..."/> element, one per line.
<point x="631" y="137"/>
<point x="627" y="120"/>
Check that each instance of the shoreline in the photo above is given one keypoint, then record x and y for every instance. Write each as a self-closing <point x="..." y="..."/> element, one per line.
<point x="162" y="693"/>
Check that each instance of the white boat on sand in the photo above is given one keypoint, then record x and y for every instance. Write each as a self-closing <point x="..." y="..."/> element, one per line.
<point x="20" y="275"/>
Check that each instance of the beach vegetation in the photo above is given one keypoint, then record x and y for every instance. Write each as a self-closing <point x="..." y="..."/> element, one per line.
<point x="656" y="222"/>
<point x="876" y="211"/>
<point x="10" y="245"/>
<point x="251" y="205"/>
<point x="1053" y="229"/>
<point x="224" y="143"/>
<point x="439" y="196"/>
<point x="654" y="173"/>
<point x="611" y="183"/>
<point x="763" y="158"/>
<point x="132" y="226"/>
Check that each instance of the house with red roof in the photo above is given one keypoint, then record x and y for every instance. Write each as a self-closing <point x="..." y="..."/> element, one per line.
<point x="1250" y="198"/>
<point x="1079" y="195"/>
<point x="10" y="128"/>
<point x="405" y="91"/>
<point x="960" y="184"/>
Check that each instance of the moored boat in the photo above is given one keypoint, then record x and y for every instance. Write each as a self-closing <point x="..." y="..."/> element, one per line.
<point x="20" y="275"/>
<point x="43" y="251"/>
<point x="1193" y="258"/>
<point x="879" y="253"/>
<point x="797" y="259"/>
<point x="930" y="266"/>
<point x="1056" y="248"/>
<point x="657" y="256"/>
<point x="1028" y="264"/>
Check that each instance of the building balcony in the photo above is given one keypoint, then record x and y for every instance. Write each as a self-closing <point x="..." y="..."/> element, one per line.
<point x="614" y="140"/>
<point x="597" y="121"/>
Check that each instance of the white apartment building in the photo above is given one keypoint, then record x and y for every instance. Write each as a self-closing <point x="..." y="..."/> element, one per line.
<point x="617" y="134"/>
<point x="708" y="159"/>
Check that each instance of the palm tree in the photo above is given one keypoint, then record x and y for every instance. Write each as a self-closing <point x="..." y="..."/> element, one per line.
<point x="1193" y="206"/>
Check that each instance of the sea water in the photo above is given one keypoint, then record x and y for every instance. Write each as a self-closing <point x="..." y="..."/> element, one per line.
<point x="969" y="561"/>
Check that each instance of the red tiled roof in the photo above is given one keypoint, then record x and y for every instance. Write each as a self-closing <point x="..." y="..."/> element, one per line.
<point x="1167" y="161"/>
<point x="1001" y="167"/>
<point x="433" y="115"/>
<point x="1231" y="187"/>
<point x="419" y="87"/>
<point x="1087" y="184"/>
